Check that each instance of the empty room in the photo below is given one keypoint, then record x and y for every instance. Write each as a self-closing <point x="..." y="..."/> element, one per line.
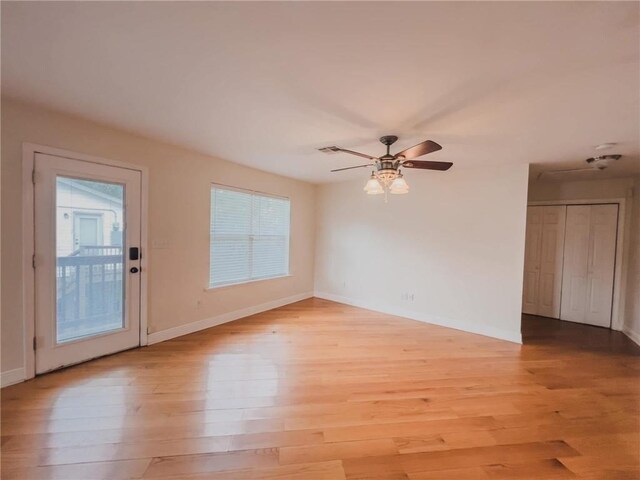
<point x="320" y="240"/>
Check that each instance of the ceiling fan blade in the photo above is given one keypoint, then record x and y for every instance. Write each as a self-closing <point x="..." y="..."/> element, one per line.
<point x="427" y="165"/>
<point x="349" y="168"/>
<point x="420" y="149"/>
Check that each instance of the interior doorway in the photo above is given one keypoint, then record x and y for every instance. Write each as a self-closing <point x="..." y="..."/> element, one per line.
<point x="571" y="257"/>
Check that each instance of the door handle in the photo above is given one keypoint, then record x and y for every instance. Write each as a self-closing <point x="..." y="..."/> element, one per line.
<point x="134" y="270"/>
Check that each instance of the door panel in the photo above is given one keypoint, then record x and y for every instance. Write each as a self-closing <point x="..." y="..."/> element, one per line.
<point x="551" y="261"/>
<point x="602" y="256"/>
<point x="87" y="302"/>
<point x="576" y="255"/>
<point x="543" y="260"/>
<point x="590" y="248"/>
<point x="533" y="248"/>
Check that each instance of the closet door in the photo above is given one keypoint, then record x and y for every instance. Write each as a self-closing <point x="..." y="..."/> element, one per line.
<point x="601" y="264"/>
<point x="550" y="283"/>
<point x="543" y="260"/>
<point x="589" y="258"/>
<point x="532" y="251"/>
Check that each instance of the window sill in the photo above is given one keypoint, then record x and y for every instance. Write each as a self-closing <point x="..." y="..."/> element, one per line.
<point x="247" y="282"/>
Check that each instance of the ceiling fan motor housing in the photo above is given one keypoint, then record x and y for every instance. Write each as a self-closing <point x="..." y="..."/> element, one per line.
<point x="388" y="140"/>
<point x="602" y="161"/>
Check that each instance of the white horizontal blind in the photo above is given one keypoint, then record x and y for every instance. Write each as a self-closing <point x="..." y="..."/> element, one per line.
<point x="249" y="236"/>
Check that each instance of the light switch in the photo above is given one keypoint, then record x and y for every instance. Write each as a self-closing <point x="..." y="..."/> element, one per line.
<point x="160" y="243"/>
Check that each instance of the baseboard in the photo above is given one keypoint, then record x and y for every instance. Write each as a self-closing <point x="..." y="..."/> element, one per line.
<point x="635" y="336"/>
<point x="11" y="377"/>
<point x="487" y="331"/>
<point x="192" y="327"/>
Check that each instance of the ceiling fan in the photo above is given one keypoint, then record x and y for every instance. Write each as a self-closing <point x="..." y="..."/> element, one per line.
<point x="387" y="175"/>
<point x="595" y="164"/>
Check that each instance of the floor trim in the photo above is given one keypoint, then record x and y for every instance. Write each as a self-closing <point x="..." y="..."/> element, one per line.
<point x="11" y="377"/>
<point x="633" y="335"/>
<point x="192" y="327"/>
<point x="487" y="331"/>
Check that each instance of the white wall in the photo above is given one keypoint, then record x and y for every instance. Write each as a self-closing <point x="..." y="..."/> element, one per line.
<point x="178" y="212"/>
<point x="456" y="242"/>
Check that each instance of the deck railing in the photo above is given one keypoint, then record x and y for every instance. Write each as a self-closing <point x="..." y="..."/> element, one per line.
<point x="89" y="291"/>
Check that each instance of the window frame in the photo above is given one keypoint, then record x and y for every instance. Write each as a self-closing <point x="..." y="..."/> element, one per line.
<point x="222" y="186"/>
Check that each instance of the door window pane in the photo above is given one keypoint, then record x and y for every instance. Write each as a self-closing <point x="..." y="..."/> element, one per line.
<point x="89" y="258"/>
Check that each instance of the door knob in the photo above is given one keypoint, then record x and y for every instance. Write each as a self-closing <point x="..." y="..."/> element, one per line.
<point x="134" y="270"/>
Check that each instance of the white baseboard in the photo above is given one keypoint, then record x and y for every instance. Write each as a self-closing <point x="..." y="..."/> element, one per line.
<point x="192" y="327"/>
<point x="633" y="335"/>
<point x="487" y="331"/>
<point x="11" y="376"/>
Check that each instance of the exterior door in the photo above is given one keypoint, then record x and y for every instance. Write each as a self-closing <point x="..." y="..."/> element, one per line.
<point x="543" y="260"/>
<point x="87" y="217"/>
<point x="589" y="263"/>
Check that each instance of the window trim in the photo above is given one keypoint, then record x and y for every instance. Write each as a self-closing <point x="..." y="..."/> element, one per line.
<point x="232" y="188"/>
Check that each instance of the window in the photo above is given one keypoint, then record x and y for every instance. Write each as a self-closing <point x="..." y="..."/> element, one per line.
<point x="249" y="236"/>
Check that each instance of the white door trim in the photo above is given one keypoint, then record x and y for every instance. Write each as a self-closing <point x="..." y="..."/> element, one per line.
<point x="29" y="151"/>
<point x="622" y="252"/>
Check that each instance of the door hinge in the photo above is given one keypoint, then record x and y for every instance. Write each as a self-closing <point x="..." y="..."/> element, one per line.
<point x="33" y="260"/>
<point x="34" y="343"/>
<point x="33" y="176"/>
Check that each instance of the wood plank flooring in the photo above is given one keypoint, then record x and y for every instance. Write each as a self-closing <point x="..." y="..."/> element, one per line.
<point x="318" y="390"/>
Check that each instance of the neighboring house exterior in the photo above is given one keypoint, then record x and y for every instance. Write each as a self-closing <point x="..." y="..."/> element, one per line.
<point x="89" y="214"/>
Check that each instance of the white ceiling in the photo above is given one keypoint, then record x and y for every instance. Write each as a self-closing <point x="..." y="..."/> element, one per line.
<point x="266" y="84"/>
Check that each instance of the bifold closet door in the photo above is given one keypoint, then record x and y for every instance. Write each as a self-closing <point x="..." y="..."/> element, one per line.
<point x="543" y="260"/>
<point x="532" y="250"/>
<point x="589" y="260"/>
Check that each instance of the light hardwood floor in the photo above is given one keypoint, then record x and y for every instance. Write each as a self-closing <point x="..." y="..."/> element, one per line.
<point x="318" y="390"/>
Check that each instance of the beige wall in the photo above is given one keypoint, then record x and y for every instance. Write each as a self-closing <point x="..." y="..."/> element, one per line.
<point x="178" y="212"/>
<point x="632" y="319"/>
<point x="580" y="190"/>
<point x="456" y="242"/>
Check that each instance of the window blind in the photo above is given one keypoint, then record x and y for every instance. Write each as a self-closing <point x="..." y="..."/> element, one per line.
<point x="249" y="236"/>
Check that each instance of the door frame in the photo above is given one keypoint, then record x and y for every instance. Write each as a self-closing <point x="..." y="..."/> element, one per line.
<point x="622" y="251"/>
<point x="29" y="151"/>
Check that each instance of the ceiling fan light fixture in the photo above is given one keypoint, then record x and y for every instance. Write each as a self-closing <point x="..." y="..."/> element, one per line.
<point x="387" y="178"/>
<point x="373" y="186"/>
<point x="399" y="186"/>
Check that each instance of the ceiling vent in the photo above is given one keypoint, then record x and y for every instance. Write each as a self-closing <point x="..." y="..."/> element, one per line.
<point x="329" y="150"/>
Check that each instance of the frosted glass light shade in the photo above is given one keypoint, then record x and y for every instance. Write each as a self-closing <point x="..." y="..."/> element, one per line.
<point x="399" y="186"/>
<point x="373" y="186"/>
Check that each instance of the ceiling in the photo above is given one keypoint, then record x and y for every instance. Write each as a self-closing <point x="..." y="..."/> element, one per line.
<point x="266" y="84"/>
